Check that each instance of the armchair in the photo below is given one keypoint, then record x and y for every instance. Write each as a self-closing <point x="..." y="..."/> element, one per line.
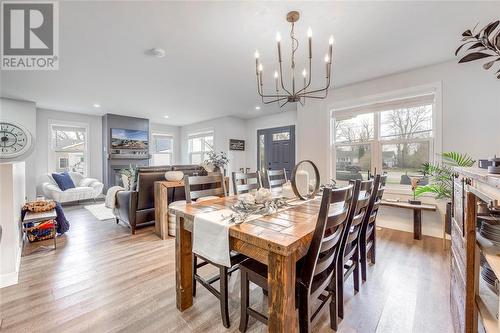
<point x="137" y="207"/>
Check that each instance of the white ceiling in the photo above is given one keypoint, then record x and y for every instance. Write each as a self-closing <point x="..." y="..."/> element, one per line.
<point x="208" y="70"/>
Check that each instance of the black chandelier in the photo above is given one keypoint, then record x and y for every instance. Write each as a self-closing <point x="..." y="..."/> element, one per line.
<point x="283" y="95"/>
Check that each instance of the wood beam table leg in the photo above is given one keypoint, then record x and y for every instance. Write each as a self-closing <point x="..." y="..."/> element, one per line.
<point x="183" y="266"/>
<point x="161" y="210"/>
<point x="281" y="281"/>
<point x="417" y="223"/>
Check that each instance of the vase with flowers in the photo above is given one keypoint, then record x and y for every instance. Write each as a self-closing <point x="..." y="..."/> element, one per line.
<point x="216" y="162"/>
<point x="414" y="181"/>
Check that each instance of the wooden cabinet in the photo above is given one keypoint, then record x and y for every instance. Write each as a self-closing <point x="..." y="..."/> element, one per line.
<point x="472" y="304"/>
<point x="463" y="239"/>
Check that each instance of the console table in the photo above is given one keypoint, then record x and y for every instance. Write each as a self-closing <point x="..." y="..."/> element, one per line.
<point x="417" y="213"/>
<point x="161" y="204"/>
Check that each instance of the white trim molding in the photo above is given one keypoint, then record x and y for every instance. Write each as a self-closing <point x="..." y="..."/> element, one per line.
<point x="374" y="104"/>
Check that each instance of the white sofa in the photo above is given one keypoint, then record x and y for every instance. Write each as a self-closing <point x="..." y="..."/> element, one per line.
<point x="85" y="188"/>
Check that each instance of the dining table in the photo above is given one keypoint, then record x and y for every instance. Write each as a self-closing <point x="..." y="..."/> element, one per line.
<point x="277" y="240"/>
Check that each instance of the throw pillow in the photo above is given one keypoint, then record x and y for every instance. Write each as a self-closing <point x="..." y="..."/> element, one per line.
<point x="63" y="180"/>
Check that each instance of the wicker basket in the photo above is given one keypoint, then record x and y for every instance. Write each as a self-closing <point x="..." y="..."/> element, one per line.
<point x="41" y="232"/>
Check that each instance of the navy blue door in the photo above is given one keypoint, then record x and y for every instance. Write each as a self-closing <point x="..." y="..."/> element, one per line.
<point x="276" y="148"/>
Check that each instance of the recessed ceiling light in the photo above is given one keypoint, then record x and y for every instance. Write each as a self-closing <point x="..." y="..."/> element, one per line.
<point x="257" y="108"/>
<point x="166" y="117"/>
<point x="158" y="52"/>
<point x="97" y="105"/>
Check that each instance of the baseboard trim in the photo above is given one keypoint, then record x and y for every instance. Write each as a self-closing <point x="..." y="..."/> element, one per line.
<point x="12" y="278"/>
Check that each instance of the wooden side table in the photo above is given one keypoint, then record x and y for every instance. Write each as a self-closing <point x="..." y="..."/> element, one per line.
<point x="417" y="213"/>
<point x="37" y="218"/>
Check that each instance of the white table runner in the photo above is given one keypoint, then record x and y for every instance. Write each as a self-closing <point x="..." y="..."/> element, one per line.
<point x="211" y="233"/>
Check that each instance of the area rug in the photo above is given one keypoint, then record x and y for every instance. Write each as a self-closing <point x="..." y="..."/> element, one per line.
<point x="101" y="212"/>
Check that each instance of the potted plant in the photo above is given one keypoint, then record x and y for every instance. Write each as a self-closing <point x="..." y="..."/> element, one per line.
<point x="216" y="162"/>
<point x="128" y="177"/>
<point x="441" y="178"/>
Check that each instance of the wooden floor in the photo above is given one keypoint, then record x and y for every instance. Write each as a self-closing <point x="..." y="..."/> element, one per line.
<point x="102" y="279"/>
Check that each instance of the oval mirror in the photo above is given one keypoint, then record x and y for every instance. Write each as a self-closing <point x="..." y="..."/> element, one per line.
<point x="305" y="180"/>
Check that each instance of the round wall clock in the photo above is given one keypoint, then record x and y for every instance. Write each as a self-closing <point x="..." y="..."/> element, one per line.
<point x="15" y="140"/>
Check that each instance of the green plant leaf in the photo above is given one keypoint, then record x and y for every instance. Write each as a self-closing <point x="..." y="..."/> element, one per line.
<point x="456" y="159"/>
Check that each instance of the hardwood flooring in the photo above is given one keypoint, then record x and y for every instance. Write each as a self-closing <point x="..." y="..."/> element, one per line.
<point x="103" y="279"/>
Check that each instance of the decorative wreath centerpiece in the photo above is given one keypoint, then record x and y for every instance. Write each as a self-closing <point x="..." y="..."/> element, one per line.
<point x="249" y="205"/>
<point x="39" y="206"/>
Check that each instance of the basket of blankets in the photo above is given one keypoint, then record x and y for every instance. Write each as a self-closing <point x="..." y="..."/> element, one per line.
<point x="45" y="229"/>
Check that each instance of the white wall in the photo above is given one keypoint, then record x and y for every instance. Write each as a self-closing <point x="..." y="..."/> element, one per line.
<point x="270" y="121"/>
<point x="12" y="194"/>
<point x="224" y="128"/>
<point x="46" y="117"/>
<point x="175" y="131"/>
<point x="470" y="117"/>
<point x="24" y="113"/>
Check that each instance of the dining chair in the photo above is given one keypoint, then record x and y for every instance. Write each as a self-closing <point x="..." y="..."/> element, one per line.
<point x="349" y="249"/>
<point x="315" y="271"/>
<point x="276" y="178"/>
<point x="367" y="240"/>
<point x="243" y="182"/>
<point x="199" y="187"/>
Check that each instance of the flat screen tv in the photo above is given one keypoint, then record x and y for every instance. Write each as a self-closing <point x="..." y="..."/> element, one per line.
<point x="129" y="139"/>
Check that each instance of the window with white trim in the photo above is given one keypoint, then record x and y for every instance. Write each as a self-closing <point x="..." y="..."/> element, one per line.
<point x="68" y="149"/>
<point x="199" y="144"/>
<point x="162" y="149"/>
<point x="396" y="137"/>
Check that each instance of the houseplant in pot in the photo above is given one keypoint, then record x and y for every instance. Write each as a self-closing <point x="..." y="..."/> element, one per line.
<point x="441" y="178"/>
<point x="128" y="177"/>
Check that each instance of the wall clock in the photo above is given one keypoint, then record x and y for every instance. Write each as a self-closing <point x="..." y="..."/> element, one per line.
<point x="15" y="140"/>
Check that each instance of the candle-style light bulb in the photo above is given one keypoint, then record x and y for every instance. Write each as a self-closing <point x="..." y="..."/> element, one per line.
<point x="327" y="58"/>
<point x="304" y="73"/>
<point x="309" y="35"/>
<point x="261" y="68"/>
<point x="257" y="54"/>
<point x="278" y="37"/>
<point x="331" y="40"/>
<point x="276" y="81"/>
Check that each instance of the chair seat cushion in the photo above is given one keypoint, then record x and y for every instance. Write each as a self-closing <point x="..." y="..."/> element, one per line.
<point x="63" y="180"/>
<point x="82" y="189"/>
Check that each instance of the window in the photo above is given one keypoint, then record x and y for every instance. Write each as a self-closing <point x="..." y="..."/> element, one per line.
<point x="162" y="149"/>
<point x="68" y="149"/>
<point x="396" y="137"/>
<point x="199" y="145"/>
<point x="281" y="136"/>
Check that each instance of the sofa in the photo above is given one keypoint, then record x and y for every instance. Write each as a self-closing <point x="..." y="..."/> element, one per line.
<point x="136" y="208"/>
<point x="85" y="188"/>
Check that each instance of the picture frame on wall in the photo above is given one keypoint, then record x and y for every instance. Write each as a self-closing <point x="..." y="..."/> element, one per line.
<point x="236" y="144"/>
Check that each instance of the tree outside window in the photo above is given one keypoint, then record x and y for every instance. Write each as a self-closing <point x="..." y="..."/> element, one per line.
<point x="69" y="147"/>
<point x="396" y="139"/>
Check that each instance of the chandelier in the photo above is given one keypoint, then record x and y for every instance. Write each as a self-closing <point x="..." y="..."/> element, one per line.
<point x="292" y="93"/>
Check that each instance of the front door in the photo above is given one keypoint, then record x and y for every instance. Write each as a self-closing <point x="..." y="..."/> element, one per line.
<point x="276" y="148"/>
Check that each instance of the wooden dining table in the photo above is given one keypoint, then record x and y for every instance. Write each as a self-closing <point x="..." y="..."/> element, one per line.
<point x="278" y="240"/>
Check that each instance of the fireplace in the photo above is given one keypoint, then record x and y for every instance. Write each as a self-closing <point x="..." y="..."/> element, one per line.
<point x="116" y="159"/>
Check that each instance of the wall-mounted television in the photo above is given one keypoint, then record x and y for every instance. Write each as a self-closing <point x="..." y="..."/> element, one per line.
<point x="129" y="139"/>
